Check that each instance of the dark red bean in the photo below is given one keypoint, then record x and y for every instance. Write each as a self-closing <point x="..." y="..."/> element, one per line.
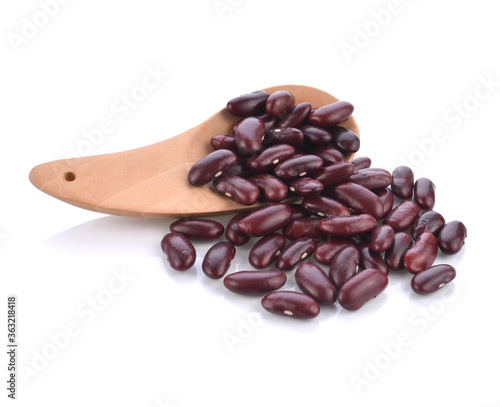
<point x="432" y="279"/>
<point x="198" y="228"/>
<point x="323" y="206"/>
<point x="287" y="135"/>
<point x="237" y="188"/>
<point x="302" y="227"/>
<point x="249" y="104"/>
<point x="344" y="265"/>
<point x="279" y="103"/>
<point x="313" y="281"/>
<point x="223" y="142"/>
<point x="369" y="259"/>
<point x="394" y="255"/>
<point x="334" y="173"/>
<point x="402" y="216"/>
<point x="315" y="136"/>
<point x="298" y="167"/>
<point x="361" y="163"/>
<point x="270" y="158"/>
<point x="255" y="282"/>
<point x="233" y="234"/>
<point x="211" y="166"/>
<point x="218" y="259"/>
<point x="359" y="199"/>
<point x="296" y="116"/>
<point x="305" y="187"/>
<point x="266" y="220"/>
<point x="265" y="251"/>
<point x="272" y="189"/>
<point x="269" y="121"/>
<point x="249" y="135"/>
<point x="381" y="238"/>
<point x="332" y="114"/>
<point x="348" y="226"/>
<point x="329" y="154"/>
<point x="424" y="192"/>
<point x="422" y="254"/>
<point x="344" y="139"/>
<point x="387" y="198"/>
<point x="292" y="304"/>
<point x="370" y="179"/>
<point x="180" y="252"/>
<point x="362" y="287"/>
<point x="295" y="252"/>
<point x="402" y="182"/>
<point x="452" y="236"/>
<point x="428" y="221"/>
<point x="326" y="251"/>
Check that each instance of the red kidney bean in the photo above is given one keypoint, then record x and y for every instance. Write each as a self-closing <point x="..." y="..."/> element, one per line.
<point x="198" y="228"/>
<point x="332" y="114"/>
<point x="255" y="282"/>
<point x="298" y="166"/>
<point x="344" y="265"/>
<point x="296" y="116"/>
<point x="422" y="254"/>
<point x="348" y="226"/>
<point x="218" y="259"/>
<point x="359" y="199"/>
<point x="265" y="251"/>
<point x="428" y="221"/>
<point x="344" y="139"/>
<point x="369" y="259"/>
<point x="362" y="287"/>
<point x="295" y="252"/>
<point x="279" y="103"/>
<point x="334" y="173"/>
<point x="394" y="255"/>
<point x="272" y="189"/>
<point x="180" y="252"/>
<point x="237" y="188"/>
<point x="329" y="154"/>
<point x="315" y="136"/>
<point x="402" y="216"/>
<point x="323" y="206"/>
<point x="361" y="163"/>
<point x="211" y="166"/>
<point x="381" y="238"/>
<point x="305" y="187"/>
<point x="249" y="135"/>
<point x="266" y="220"/>
<point x="223" y="142"/>
<point x="326" y="251"/>
<point x="424" y="192"/>
<point x="249" y="104"/>
<point x="452" y="236"/>
<point x="287" y="135"/>
<point x="432" y="279"/>
<point x="302" y="227"/>
<point x="370" y="179"/>
<point x="233" y="234"/>
<point x="313" y="281"/>
<point x="269" y="121"/>
<point x="402" y="182"/>
<point x="387" y="198"/>
<point x="270" y="158"/>
<point x="292" y="304"/>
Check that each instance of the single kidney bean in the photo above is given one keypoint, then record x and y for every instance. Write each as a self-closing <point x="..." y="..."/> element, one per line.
<point x="332" y="114"/>
<point x="424" y="192"/>
<point x="249" y="135"/>
<point x="359" y="199"/>
<point x="255" y="282"/>
<point x="270" y="158"/>
<point x="348" y="226"/>
<point x="266" y="220"/>
<point x="292" y="304"/>
<point x="272" y="189"/>
<point x="329" y="154"/>
<point x="344" y="265"/>
<point x="296" y="251"/>
<point x="402" y="182"/>
<point x="422" y="254"/>
<point x="223" y="142"/>
<point x="370" y="259"/>
<point x="198" y="228"/>
<point x="211" y="166"/>
<point x="233" y="234"/>
<point x="394" y="255"/>
<point x="296" y="116"/>
<point x="218" y="259"/>
<point x="302" y="227"/>
<point x="265" y="251"/>
<point x="452" y="236"/>
<point x="323" y="206"/>
<point x="402" y="216"/>
<point x="315" y="136"/>
<point x="344" y="139"/>
<point x="305" y="187"/>
<point x="279" y="103"/>
<point x="428" y="221"/>
<point x="326" y="251"/>
<point x="362" y="287"/>
<point x="298" y="166"/>
<point x="381" y="238"/>
<point x="287" y="135"/>
<point x="361" y="163"/>
<point x="387" y="198"/>
<point x="334" y="173"/>
<point x="180" y="252"/>
<point x="432" y="279"/>
<point x="370" y="179"/>
<point x="237" y="188"/>
<point x="249" y="104"/>
<point x="313" y="281"/>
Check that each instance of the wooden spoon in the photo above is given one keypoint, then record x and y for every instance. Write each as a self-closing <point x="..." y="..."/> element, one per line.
<point x="151" y="181"/>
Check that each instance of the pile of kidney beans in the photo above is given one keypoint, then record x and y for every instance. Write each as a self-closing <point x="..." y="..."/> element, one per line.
<point x="357" y="221"/>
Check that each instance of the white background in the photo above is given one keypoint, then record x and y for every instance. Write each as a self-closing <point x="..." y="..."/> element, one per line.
<point x="162" y="337"/>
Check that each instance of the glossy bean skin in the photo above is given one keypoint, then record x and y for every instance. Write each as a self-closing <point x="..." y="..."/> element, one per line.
<point x="180" y="252"/>
<point x="402" y="182"/>
<point x="198" y="228"/>
<point x="387" y="198"/>
<point x="266" y="220"/>
<point x="428" y="221"/>
<point x="344" y="139"/>
<point x="249" y="135"/>
<point x="313" y="281"/>
<point x="432" y="279"/>
<point x="296" y="116"/>
<point x="249" y="104"/>
<point x="358" y="198"/>
<point x="381" y="238"/>
<point x="211" y="166"/>
<point x="348" y="226"/>
<point x="270" y="158"/>
<point x="237" y="188"/>
<point x="362" y="287"/>
<point x="323" y="206"/>
<point x="305" y="187"/>
<point x="422" y="254"/>
<point x="395" y="254"/>
<point x="452" y="236"/>
<point x="223" y="142"/>
<point x="218" y="259"/>
<point x="334" y="173"/>
<point x="369" y="259"/>
<point x="295" y="252"/>
<point x="315" y="136"/>
<point x="292" y="304"/>
<point x="326" y="251"/>
<point x="402" y="216"/>
<point x="233" y="234"/>
<point x="298" y="166"/>
<point x="332" y="114"/>
<point x="279" y="103"/>
<point x="272" y="189"/>
<point x="302" y="227"/>
<point x="424" y="192"/>
<point x="255" y="281"/>
<point x="361" y="163"/>
<point x="287" y="135"/>
<point x="370" y="179"/>
<point x="344" y="265"/>
<point x="329" y="154"/>
<point x="265" y="251"/>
